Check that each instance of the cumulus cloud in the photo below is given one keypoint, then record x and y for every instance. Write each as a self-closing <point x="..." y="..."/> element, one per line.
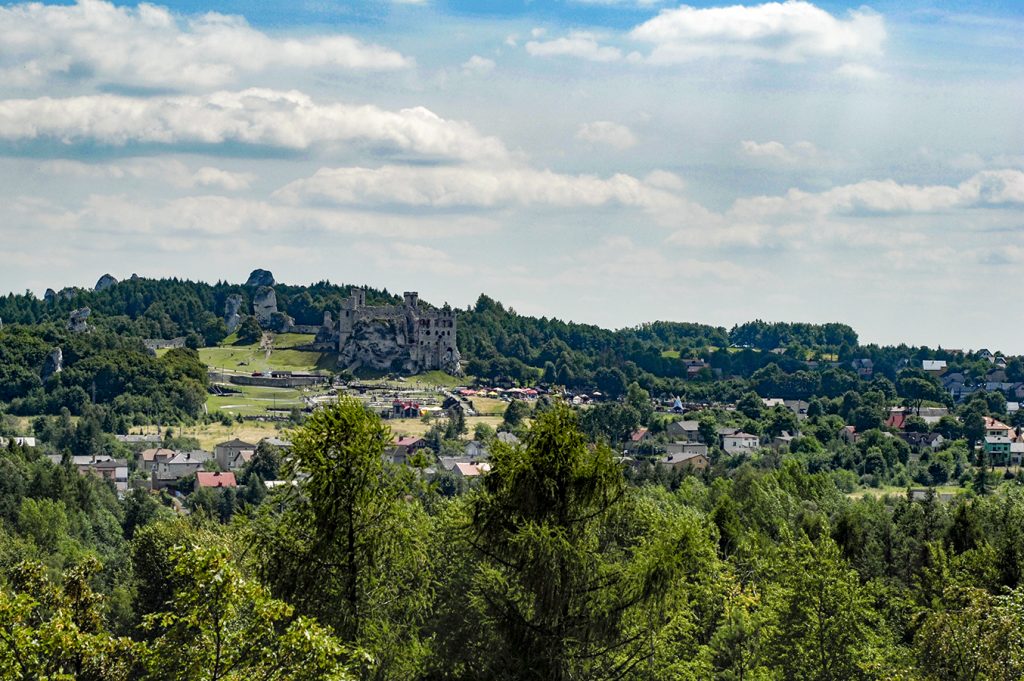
<point x="791" y="31"/>
<point x="798" y="152"/>
<point x="148" y="46"/>
<point x="987" y="188"/>
<point x="285" y="120"/>
<point x="612" y="134"/>
<point x="406" y="256"/>
<point x="473" y="187"/>
<point x="579" y="44"/>
<point x="478" y="65"/>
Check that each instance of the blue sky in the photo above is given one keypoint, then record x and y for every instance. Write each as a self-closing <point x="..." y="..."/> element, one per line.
<point x="609" y="162"/>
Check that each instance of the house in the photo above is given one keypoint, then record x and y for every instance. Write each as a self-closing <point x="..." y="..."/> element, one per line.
<point x="997" y="447"/>
<point x="214" y="479"/>
<point x="448" y="463"/>
<point x="897" y="418"/>
<point x="934" y="366"/>
<point x="923" y="440"/>
<point x="865" y="368"/>
<point x="636" y="438"/>
<point x="784" y="439"/>
<point x="697" y="462"/>
<point x="771" y="402"/>
<point x="150" y="439"/>
<point x="1017" y="453"/>
<point x="687" y="431"/>
<point x="277" y="442"/>
<point x="932" y="415"/>
<point x="114" y="470"/>
<point x="985" y="354"/>
<point x="740" y="443"/>
<point x="507" y="438"/>
<point x="236" y="462"/>
<point x="1012" y="407"/>
<point x="476" y="450"/>
<point x="100" y="465"/>
<point x="401" y="409"/>
<point x="181" y="465"/>
<point x="686" y="448"/>
<point x="848" y="434"/>
<point x="471" y="470"/>
<point x="403" y="448"/>
<point x="996" y="428"/>
<point x="798" y="407"/>
<point x="149" y="459"/>
<point x="227" y="452"/>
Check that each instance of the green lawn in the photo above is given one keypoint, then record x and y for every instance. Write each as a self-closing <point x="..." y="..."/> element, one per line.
<point x="255" y="400"/>
<point x="250" y="358"/>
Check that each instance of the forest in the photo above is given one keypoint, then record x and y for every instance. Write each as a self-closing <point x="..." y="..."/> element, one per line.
<point x="557" y="564"/>
<point x="110" y="366"/>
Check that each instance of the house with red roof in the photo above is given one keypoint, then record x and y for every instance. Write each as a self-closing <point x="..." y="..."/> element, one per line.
<point x="215" y="479"/>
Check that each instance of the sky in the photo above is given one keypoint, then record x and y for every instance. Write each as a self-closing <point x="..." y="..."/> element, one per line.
<point x="602" y="161"/>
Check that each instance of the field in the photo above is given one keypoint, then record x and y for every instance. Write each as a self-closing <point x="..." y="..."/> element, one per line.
<point x="283" y="356"/>
<point x="211" y="434"/>
<point x="254" y="400"/>
<point x="416" y="427"/>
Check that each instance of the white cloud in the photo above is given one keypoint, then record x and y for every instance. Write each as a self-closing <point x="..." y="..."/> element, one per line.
<point x="791" y="31"/>
<point x="856" y="71"/>
<point x="579" y="44"/>
<point x="170" y="172"/>
<point x="400" y="255"/>
<point x="211" y="215"/>
<point x="148" y="46"/>
<point x="612" y="134"/>
<point x="478" y="65"/>
<point x="287" y="120"/>
<point x="798" y="152"/>
<point x="462" y="187"/>
<point x="987" y="188"/>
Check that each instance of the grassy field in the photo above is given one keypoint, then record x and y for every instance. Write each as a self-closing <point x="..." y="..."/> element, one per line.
<point x="212" y="434"/>
<point x="416" y="427"/>
<point x="251" y="358"/>
<point x="255" y="400"/>
<point x="488" y="406"/>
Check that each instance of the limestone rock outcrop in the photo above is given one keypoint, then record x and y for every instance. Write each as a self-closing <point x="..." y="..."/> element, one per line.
<point x="260" y="278"/>
<point x="77" y="321"/>
<point x="264" y="308"/>
<point x="233" y="312"/>
<point x="50" y="296"/>
<point x="380" y="344"/>
<point x="105" y="282"/>
<point x="54" y="363"/>
<point x="264" y="304"/>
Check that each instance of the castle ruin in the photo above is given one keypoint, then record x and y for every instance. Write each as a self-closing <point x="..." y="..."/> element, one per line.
<point x="401" y="338"/>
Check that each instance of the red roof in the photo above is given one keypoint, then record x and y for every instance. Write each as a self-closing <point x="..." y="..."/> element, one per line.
<point x="408" y="441"/>
<point x="216" y="479"/>
<point x="993" y="424"/>
<point x="896" y="420"/>
<point x="638" y="434"/>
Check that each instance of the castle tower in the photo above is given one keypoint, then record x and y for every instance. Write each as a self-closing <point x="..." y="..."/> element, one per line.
<point x="412" y="299"/>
